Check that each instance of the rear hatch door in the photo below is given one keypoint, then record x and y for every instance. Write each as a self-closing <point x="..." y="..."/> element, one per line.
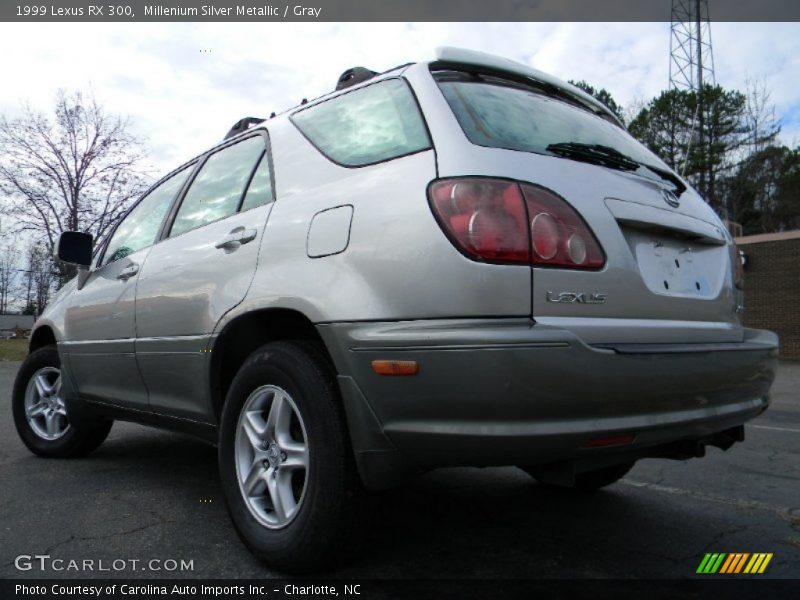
<point x="667" y="276"/>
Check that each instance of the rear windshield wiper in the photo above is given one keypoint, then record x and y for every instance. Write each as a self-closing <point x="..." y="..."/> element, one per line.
<point x="611" y="157"/>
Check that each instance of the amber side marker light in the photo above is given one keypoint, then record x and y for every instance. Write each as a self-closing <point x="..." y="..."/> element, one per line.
<point x="395" y="367"/>
<point x="611" y="440"/>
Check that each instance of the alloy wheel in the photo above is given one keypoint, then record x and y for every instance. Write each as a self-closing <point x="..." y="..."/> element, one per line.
<point x="272" y="457"/>
<point x="44" y="407"/>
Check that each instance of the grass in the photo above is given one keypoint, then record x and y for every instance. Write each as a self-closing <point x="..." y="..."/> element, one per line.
<point x="13" y="349"/>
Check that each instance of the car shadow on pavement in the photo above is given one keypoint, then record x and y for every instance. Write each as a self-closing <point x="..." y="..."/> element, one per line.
<point x="156" y="492"/>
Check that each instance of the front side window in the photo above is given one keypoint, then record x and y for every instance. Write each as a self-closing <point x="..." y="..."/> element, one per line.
<point x="140" y="226"/>
<point x="368" y="125"/>
<point x="217" y="189"/>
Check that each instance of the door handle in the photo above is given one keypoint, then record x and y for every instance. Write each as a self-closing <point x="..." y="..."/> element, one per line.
<point x="128" y="272"/>
<point x="236" y="238"/>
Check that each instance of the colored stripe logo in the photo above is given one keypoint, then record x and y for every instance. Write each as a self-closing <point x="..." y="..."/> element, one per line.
<point x="734" y="563"/>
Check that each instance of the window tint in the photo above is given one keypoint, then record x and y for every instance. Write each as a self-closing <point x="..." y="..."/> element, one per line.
<point x="218" y="187"/>
<point x="140" y="227"/>
<point x="260" y="189"/>
<point x="368" y="125"/>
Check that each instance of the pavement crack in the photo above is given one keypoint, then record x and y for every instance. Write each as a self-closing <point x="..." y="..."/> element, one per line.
<point x="783" y="512"/>
<point x="715" y="541"/>
<point x="85" y="538"/>
<point x="49" y="549"/>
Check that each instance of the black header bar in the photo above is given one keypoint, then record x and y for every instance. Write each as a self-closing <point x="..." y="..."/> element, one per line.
<point x="382" y="10"/>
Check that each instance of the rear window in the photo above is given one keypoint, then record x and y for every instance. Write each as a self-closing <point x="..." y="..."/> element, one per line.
<point x="498" y="113"/>
<point x="366" y="126"/>
<point x="217" y="189"/>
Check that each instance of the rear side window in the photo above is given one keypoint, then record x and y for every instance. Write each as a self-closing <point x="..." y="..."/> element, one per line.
<point x="140" y="226"/>
<point x="368" y="125"/>
<point x="217" y="189"/>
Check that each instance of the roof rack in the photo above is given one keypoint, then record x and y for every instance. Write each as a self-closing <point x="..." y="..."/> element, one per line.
<point x="242" y="125"/>
<point x="353" y="76"/>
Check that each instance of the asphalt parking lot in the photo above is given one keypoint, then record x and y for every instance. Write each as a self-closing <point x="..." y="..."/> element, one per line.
<point x="147" y="494"/>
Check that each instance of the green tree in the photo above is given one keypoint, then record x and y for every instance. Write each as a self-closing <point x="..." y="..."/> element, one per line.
<point x="601" y="94"/>
<point x="663" y="126"/>
<point x="764" y="192"/>
<point x="705" y="146"/>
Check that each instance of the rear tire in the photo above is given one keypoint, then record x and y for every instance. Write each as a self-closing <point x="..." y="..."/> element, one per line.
<point x="590" y="480"/>
<point x="41" y="414"/>
<point x="285" y="460"/>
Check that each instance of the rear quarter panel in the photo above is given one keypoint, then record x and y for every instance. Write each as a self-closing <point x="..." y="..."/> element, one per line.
<point x="398" y="264"/>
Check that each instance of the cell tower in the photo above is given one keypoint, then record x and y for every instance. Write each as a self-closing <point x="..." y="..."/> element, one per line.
<point x="691" y="62"/>
<point x="691" y="67"/>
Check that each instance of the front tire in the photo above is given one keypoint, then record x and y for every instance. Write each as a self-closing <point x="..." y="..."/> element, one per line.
<point x="286" y="465"/>
<point x="41" y="414"/>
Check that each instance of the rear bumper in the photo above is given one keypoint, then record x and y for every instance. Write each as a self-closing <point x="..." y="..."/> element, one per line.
<point x="511" y="392"/>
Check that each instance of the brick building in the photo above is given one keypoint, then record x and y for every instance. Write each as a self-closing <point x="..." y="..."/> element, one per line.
<point x="772" y="286"/>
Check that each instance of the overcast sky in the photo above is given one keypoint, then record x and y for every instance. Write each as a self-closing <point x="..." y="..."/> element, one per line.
<point x="182" y="100"/>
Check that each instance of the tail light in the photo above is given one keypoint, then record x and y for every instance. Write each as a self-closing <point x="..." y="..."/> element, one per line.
<point x="559" y="236"/>
<point x="485" y="218"/>
<point x="500" y="221"/>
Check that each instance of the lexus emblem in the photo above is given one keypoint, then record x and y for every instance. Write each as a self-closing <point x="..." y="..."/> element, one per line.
<point x="670" y="198"/>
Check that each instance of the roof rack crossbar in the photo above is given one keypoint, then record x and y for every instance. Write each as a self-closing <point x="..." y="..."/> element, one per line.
<point x="354" y="76"/>
<point x="242" y="125"/>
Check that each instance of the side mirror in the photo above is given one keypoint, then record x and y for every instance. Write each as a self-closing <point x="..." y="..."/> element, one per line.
<point x="75" y="248"/>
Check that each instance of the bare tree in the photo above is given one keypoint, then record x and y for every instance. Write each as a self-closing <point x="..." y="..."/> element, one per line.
<point x="75" y="172"/>
<point x="8" y="272"/>
<point x="29" y="288"/>
<point x="39" y="279"/>
<point x="631" y="110"/>
<point x="764" y="125"/>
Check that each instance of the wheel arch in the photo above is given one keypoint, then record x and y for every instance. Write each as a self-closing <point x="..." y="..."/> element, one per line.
<point x="244" y="334"/>
<point x="43" y="335"/>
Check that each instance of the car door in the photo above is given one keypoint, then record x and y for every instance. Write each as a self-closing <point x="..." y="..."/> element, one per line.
<point x="200" y="270"/>
<point x="100" y="322"/>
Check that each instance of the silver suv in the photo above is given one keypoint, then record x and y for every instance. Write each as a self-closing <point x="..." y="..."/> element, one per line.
<point x="460" y="262"/>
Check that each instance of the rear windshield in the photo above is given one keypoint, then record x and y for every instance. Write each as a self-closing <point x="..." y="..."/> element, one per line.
<point x="499" y="113"/>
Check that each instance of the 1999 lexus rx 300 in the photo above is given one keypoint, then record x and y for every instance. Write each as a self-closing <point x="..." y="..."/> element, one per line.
<point x="461" y="262"/>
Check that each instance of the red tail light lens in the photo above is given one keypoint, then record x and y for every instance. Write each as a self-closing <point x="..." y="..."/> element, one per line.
<point x="545" y="236"/>
<point x="485" y="218"/>
<point x="560" y="236"/>
<point x="502" y="221"/>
